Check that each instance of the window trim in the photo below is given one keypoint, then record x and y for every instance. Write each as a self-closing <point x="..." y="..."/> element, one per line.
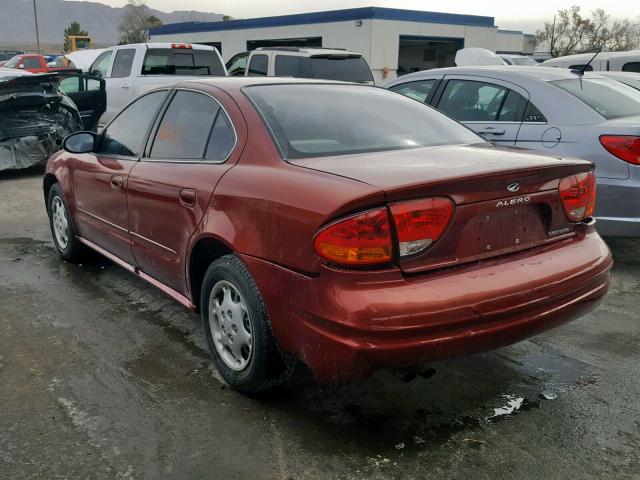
<point x="147" y="132"/>
<point x="156" y="125"/>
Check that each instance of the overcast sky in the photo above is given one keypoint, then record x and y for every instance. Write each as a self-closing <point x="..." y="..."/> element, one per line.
<point x="513" y="14"/>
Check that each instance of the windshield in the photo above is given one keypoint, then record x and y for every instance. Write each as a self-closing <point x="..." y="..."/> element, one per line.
<point x="350" y="69"/>
<point x="182" y="61"/>
<point x="12" y="62"/>
<point x="523" y="61"/>
<point x="322" y="120"/>
<point x="609" y="98"/>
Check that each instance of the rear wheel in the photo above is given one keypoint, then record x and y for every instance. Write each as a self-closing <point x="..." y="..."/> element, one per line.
<point x="238" y="329"/>
<point x="62" y="229"/>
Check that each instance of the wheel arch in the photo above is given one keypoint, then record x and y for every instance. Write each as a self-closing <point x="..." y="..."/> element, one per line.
<point x="47" y="182"/>
<point x="204" y="252"/>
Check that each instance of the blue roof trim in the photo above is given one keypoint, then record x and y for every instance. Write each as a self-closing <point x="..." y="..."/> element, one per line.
<point x="326" y="17"/>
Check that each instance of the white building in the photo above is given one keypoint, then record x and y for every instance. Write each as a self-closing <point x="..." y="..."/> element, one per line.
<point x="392" y="41"/>
<point x="515" y="42"/>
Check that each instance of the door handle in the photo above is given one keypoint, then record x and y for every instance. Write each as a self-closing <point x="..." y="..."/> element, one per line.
<point x="493" y="131"/>
<point x="188" y="197"/>
<point x="116" y="182"/>
<point x="125" y="86"/>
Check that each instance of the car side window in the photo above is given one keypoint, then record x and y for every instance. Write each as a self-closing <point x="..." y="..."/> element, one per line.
<point x="422" y="90"/>
<point x="631" y="67"/>
<point x="472" y="101"/>
<point x="185" y="127"/>
<point x="123" y="62"/>
<point x="258" y="65"/>
<point x="292" y="66"/>
<point x="237" y="65"/>
<point x="31" y="62"/>
<point x="222" y="138"/>
<point x="533" y="115"/>
<point x="126" y="134"/>
<point x="513" y="108"/>
<point x="101" y="64"/>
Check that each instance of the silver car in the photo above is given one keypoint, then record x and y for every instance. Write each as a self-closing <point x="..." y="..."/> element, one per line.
<point x="554" y="111"/>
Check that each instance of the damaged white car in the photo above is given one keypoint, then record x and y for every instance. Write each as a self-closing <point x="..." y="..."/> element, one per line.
<point x="38" y="111"/>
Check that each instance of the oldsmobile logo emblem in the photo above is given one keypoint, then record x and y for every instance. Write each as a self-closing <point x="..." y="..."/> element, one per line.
<point x="514" y="187"/>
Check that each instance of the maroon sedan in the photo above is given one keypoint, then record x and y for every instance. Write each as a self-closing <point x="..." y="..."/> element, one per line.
<point x="345" y="226"/>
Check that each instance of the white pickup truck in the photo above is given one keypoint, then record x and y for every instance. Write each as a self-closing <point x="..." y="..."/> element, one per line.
<point x="130" y="70"/>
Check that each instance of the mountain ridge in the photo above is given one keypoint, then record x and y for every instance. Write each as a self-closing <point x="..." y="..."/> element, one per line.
<point x="100" y="20"/>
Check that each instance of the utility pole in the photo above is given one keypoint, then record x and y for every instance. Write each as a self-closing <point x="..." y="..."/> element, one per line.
<point x="35" y="17"/>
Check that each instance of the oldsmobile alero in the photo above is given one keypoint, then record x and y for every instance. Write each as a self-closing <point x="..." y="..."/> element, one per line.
<point x="346" y="226"/>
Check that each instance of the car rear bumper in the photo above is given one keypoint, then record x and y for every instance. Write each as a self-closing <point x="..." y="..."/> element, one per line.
<point x="345" y="325"/>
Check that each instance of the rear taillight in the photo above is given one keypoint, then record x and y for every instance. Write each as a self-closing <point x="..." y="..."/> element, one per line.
<point x="419" y="223"/>
<point x="625" y="147"/>
<point x="362" y="239"/>
<point x="181" y="46"/>
<point x="578" y="193"/>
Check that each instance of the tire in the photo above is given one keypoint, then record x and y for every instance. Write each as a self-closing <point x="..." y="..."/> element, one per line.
<point x="60" y="221"/>
<point x="242" y="346"/>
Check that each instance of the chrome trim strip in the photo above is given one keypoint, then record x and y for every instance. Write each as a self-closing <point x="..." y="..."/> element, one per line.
<point x="154" y="243"/>
<point x="103" y="220"/>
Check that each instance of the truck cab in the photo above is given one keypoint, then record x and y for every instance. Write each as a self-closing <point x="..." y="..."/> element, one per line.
<point x="130" y="70"/>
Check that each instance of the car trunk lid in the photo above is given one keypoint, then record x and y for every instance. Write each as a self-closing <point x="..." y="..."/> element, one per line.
<point x="505" y="200"/>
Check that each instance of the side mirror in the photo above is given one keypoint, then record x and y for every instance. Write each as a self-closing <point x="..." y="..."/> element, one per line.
<point x="21" y="66"/>
<point x="80" y="142"/>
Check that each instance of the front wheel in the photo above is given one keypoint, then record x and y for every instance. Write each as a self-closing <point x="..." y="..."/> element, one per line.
<point x="238" y="329"/>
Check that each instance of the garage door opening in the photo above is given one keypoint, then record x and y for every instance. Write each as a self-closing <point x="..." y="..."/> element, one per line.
<point x="285" y="42"/>
<point x="424" y="53"/>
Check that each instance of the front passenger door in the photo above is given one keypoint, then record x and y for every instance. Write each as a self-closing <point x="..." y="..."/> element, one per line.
<point x="490" y="109"/>
<point x="100" y="178"/>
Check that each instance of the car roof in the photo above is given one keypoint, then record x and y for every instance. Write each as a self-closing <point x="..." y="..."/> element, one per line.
<point x="239" y="82"/>
<point x="310" y="50"/>
<point x="505" y="72"/>
<point x="599" y="56"/>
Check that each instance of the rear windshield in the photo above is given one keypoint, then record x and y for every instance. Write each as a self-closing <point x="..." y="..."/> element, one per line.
<point x="322" y="120"/>
<point x="324" y="67"/>
<point x="181" y="61"/>
<point x="350" y="69"/>
<point x="523" y="61"/>
<point x="609" y="98"/>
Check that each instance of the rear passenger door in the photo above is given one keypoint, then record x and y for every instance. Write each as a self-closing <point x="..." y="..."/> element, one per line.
<point x="491" y="108"/>
<point x="190" y="148"/>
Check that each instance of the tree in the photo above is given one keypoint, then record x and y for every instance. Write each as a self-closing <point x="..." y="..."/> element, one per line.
<point x="136" y="22"/>
<point x="72" y="30"/>
<point x="571" y="33"/>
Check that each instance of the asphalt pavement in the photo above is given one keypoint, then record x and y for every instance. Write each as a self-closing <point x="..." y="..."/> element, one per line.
<point x="104" y="377"/>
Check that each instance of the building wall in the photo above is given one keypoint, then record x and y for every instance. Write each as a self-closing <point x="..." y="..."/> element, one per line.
<point x="376" y="39"/>
<point x="385" y="41"/>
<point x="511" y="41"/>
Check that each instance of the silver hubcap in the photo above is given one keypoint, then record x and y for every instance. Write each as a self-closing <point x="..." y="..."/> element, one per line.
<point x="230" y="325"/>
<point x="60" y="222"/>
